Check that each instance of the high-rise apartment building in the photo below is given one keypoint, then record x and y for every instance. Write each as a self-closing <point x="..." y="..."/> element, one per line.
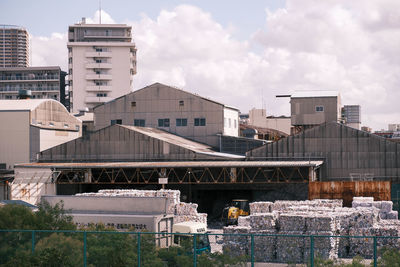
<point x="14" y="46"/>
<point x="101" y="61"/>
<point x="352" y="116"/>
<point x="43" y="82"/>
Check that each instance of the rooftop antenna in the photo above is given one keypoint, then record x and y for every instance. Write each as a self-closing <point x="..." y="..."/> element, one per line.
<point x="100" y="11"/>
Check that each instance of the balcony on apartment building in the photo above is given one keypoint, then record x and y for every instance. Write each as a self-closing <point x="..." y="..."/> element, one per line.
<point x="99" y="88"/>
<point x="98" y="54"/>
<point x="98" y="77"/>
<point x="95" y="65"/>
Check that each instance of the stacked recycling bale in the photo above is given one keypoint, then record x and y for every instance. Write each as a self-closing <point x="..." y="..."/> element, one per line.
<point x="264" y="228"/>
<point x="317" y="218"/>
<point x="237" y="241"/>
<point x="322" y="224"/>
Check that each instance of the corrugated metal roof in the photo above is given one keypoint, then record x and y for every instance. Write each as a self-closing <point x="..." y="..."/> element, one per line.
<point x="22" y="104"/>
<point x="175" y="164"/>
<point x="301" y="94"/>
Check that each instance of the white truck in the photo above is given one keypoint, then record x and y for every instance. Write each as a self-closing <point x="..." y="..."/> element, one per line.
<point x="185" y="230"/>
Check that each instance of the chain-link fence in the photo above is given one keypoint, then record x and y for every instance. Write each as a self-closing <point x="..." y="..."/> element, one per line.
<point x="111" y="248"/>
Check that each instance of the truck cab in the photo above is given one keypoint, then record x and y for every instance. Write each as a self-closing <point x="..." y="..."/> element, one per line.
<point x="184" y="231"/>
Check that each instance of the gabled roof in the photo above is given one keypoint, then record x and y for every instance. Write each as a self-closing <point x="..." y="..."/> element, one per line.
<point x="172" y="87"/>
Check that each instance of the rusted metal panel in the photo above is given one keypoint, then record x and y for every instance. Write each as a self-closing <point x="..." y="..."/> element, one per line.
<point x="380" y="190"/>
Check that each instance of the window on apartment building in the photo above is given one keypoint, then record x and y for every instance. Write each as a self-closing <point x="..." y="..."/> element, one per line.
<point x="139" y="122"/>
<point x="98" y="60"/>
<point x="234" y="124"/>
<point x="199" y="122"/>
<point x="181" y="122"/>
<point x="230" y="124"/>
<point x="99" y="49"/>
<point x="8" y="96"/>
<point x="163" y="122"/>
<point x="70" y="72"/>
<point x="181" y="103"/>
<point x="133" y="104"/>
<point x="101" y="94"/>
<point x="319" y="108"/>
<point x="116" y="122"/>
<point x="70" y="60"/>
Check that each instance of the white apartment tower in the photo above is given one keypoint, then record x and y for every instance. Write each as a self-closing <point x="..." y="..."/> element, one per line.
<point x="101" y="62"/>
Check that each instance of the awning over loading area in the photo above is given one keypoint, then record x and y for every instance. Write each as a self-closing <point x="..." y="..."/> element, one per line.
<point x="180" y="172"/>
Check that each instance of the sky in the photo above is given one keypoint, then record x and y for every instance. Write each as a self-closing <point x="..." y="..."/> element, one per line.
<point x="242" y="53"/>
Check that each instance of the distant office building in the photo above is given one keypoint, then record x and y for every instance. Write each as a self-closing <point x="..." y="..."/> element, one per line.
<point x="366" y="129"/>
<point x="312" y="108"/>
<point x="43" y="82"/>
<point x="172" y="110"/>
<point x="14" y="46"/>
<point x="259" y="118"/>
<point x="394" y="127"/>
<point x="351" y="115"/>
<point x="101" y="62"/>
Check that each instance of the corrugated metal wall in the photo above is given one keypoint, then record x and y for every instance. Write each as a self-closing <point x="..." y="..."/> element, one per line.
<point x="380" y="190"/>
<point x="346" y="152"/>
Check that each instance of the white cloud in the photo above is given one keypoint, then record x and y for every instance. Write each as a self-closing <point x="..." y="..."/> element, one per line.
<point x="49" y="51"/>
<point x="350" y="46"/>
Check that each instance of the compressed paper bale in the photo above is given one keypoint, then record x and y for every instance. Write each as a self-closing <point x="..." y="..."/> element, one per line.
<point x="200" y="217"/>
<point x="236" y="245"/>
<point x="377" y="204"/>
<point x="324" y="247"/>
<point x="244" y="221"/>
<point x="265" y="246"/>
<point x="260" y="207"/>
<point x="262" y="221"/>
<point x="387" y="206"/>
<point x="363" y="217"/>
<point x="183" y="208"/>
<point x="289" y="248"/>
<point x="363" y="199"/>
<point x="393" y="215"/>
<point x="321" y="222"/>
<point x="292" y="222"/>
<point x="362" y="246"/>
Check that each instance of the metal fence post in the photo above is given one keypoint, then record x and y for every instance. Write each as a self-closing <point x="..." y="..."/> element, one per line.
<point x="33" y="241"/>
<point x="375" y="252"/>
<point x="252" y="250"/>
<point x="194" y="250"/>
<point x="84" y="249"/>
<point x="138" y="249"/>
<point x="312" y="251"/>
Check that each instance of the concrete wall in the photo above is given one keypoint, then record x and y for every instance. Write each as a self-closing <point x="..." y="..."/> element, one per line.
<point x="159" y="101"/>
<point x="346" y="152"/>
<point x="14" y="137"/>
<point x="100" y="204"/>
<point x="30" y="184"/>
<point x="303" y="110"/>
